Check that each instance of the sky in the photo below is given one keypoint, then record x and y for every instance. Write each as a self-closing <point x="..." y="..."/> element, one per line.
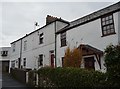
<point x="17" y="18"/>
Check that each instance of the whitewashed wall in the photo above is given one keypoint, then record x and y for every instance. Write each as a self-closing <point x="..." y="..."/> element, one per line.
<point x="16" y="54"/>
<point x="89" y="33"/>
<point x="34" y="49"/>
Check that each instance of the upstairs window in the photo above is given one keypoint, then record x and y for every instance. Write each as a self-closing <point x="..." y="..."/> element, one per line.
<point x="40" y="60"/>
<point x="63" y="39"/>
<point x="13" y="47"/>
<point x="41" y="38"/>
<point x="107" y="23"/>
<point x="25" y="45"/>
<point x="4" y="53"/>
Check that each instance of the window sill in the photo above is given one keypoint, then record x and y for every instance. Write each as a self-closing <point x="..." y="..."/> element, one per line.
<point x="40" y="43"/>
<point x="64" y="46"/>
<point x="108" y="34"/>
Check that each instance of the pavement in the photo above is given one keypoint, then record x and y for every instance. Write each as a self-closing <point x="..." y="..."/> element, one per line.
<point x="10" y="83"/>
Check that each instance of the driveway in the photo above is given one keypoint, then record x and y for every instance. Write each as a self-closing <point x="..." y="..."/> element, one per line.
<point x="9" y="83"/>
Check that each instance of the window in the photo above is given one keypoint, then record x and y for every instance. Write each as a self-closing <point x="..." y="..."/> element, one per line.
<point x="24" y="62"/>
<point x="13" y="47"/>
<point x="107" y="25"/>
<point x="25" y="45"/>
<point x="63" y="39"/>
<point x="4" y="53"/>
<point x="40" y="60"/>
<point x="41" y="38"/>
<point x="13" y="64"/>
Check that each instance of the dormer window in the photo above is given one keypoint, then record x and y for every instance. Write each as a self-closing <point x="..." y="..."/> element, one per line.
<point x="107" y="23"/>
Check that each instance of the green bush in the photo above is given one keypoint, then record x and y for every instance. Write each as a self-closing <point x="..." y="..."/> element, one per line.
<point x="73" y="77"/>
<point x="32" y="77"/>
<point x="112" y="61"/>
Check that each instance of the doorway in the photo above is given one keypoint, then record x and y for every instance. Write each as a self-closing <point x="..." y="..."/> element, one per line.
<point x="52" y="58"/>
<point x="89" y="63"/>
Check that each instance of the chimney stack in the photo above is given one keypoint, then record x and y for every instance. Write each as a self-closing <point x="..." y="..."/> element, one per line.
<point x="50" y="19"/>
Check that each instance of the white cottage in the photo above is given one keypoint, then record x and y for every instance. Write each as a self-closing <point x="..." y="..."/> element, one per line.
<point x="46" y="46"/>
<point x="91" y="33"/>
<point x="37" y="49"/>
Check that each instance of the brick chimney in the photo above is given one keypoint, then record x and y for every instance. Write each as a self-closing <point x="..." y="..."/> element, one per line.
<point x="50" y="19"/>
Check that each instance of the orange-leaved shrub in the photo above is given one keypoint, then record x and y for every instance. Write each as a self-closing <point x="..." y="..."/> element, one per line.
<point x="72" y="57"/>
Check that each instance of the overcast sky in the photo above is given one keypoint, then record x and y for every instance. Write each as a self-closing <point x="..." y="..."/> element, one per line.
<point x="18" y="17"/>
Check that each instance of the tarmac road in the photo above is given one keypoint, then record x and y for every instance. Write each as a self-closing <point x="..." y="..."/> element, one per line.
<point x="9" y="83"/>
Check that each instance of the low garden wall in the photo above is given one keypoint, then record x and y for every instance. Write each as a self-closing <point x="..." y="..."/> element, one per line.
<point x="19" y="74"/>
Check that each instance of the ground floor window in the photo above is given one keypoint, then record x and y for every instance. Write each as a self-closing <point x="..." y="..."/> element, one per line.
<point x="40" y="60"/>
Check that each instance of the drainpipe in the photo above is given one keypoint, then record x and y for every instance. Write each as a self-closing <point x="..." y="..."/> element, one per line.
<point x="55" y="46"/>
<point x="20" y="53"/>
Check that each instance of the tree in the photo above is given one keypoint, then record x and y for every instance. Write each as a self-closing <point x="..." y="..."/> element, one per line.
<point x="72" y="58"/>
<point x="112" y="62"/>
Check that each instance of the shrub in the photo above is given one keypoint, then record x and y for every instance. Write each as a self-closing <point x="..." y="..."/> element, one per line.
<point x="32" y="77"/>
<point x="72" y="58"/>
<point x="112" y="61"/>
<point x="73" y="77"/>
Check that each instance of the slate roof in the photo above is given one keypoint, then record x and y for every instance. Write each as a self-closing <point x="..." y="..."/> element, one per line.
<point x="95" y="15"/>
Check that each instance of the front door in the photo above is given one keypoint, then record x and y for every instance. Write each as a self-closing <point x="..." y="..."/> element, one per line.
<point x="89" y="63"/>
<point x="52" y="60"/>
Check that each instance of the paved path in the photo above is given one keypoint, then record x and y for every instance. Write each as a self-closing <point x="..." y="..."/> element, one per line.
<point x="9" y="83"/>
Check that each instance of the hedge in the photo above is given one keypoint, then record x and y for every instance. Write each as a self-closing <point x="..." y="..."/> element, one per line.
<point x="32" y="77"/>
<point x="73" y="77"/>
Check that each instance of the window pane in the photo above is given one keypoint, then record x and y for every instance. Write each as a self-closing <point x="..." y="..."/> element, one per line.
<point x="106" y="18"/>
<point x="112" y="31"/>
<point x="104" y="28"/>
<point x="108" y="31"/>
<point x="103" y="19"/>
<point x="104" y="32"/>
<point x="110" y="17"/>
<point x="107" y="22"/>
<point x="103" y="23"/>
<point x="108" y="27"/>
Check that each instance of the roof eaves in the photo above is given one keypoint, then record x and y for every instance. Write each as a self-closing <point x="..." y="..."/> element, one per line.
<point x="31" y="33"/>
<point x="93" y="16"/>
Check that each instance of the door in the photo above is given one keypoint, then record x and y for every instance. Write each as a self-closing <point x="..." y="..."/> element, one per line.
<point x="52" y="60"/>
<point x="89" y="63"/>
